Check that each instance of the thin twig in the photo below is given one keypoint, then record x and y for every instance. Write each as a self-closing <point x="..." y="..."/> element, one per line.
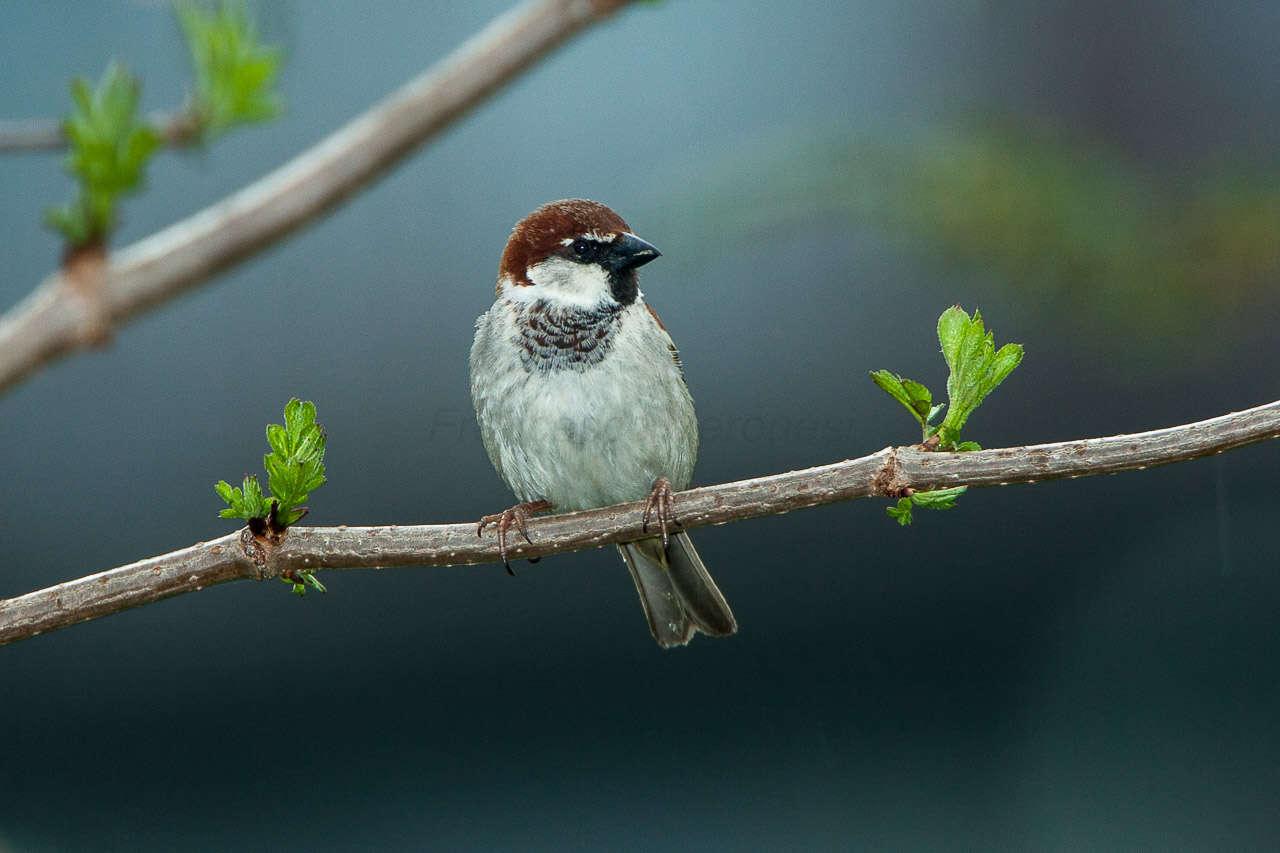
<point x="888" y="473"/>
<point x="50" y="321"/>
<point x="176" y="128"/>
<point x="32" y="134"/>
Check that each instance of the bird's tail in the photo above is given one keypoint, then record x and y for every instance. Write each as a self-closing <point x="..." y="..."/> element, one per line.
<point x="678" y="595"/>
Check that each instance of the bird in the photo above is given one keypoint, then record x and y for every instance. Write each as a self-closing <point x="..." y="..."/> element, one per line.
<point x="581" y="400"/>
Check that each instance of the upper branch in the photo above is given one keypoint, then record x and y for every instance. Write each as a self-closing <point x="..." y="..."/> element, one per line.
<point x="46" y="134"/>
<point x="53" y="319"/>
<point x="886" y="473"/>
<point x="32" y="134"/>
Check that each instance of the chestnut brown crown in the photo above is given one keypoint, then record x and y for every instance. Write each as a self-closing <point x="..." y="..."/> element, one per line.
<point x="543" y="232"/>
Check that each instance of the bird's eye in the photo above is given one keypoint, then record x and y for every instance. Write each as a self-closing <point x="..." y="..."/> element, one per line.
<point x="581" y="247"/>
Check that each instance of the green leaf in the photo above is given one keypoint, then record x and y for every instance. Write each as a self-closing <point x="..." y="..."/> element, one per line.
<point x="245" y="501"/>
<point x="976" y="367"/>
<point x="302" y="579"/>
<point x="299" y="417"/>
<point x="278" y="439"/>
<point x="224" y="490"/>
<point x="279" y="476"/>
<point x="938" y="498"/>
<point x="1008" y="357"/>
<point x="917" y="399"/>
<point x="70" y="221"/>
<point x="310" y="441"/>
<point x="256" y="505"/>
<point x="892" y="385"/>
<point x="902" y="512"/>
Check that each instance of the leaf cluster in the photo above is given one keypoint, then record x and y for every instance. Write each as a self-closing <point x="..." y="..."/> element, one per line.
<point x="295" y="468"/>
<point x="977" y="368"/>
<point x="234" y="72"/>
<point x="110" y="146"/>
<point x="935" y="499"/>
<point x="303" y="578"/>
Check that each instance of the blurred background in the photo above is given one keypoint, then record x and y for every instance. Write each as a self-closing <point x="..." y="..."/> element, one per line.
<point x="1077" y="665"/>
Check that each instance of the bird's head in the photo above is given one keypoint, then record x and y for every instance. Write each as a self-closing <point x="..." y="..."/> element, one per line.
<point x="575" y="253"/>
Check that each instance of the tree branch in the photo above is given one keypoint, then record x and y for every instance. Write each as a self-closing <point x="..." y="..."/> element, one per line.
<point x="886" y="474"/>
<point x="176" y="128"/>
<point x="52" y="320"/>
<point x="32" y="134"/>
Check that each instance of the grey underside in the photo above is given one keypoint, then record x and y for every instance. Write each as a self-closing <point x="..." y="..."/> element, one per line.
<point x="589" y="435"/>
<point x="677" y="592"/>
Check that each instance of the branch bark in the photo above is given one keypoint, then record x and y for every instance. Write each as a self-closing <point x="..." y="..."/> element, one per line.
<point x="888" y="473"/>
<point x="32" y="134"/>
<point x="51" y="320"/>
<point x="46" y="134"/>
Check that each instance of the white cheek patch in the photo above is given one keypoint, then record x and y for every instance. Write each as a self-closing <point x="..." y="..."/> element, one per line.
<point x="566" y="282"/>
<point x="508" y="288"/>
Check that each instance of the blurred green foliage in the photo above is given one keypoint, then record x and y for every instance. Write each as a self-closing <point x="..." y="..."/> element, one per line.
<point x="109" y="150"/>
<point x="110" y="144"/>
<point x="234" y="72"/>
<point x="1058" y="214"/>
<point x="1065" y="221"/>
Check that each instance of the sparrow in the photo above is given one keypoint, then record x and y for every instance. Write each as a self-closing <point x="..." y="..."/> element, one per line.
<point x="581" y="400"/>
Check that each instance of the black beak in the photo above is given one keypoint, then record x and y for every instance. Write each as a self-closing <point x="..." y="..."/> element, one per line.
<point x="628" y="252"/>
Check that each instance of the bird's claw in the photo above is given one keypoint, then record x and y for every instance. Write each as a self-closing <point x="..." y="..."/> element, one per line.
<point x="660" y="506"/>
<point x="517" y="515"/>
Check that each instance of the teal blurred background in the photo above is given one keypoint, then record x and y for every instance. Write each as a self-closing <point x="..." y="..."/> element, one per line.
<point x="1083" y="665"/>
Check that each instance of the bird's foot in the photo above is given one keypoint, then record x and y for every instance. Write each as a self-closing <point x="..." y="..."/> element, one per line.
<point x="660" y="507"/>
<point x="517" y="515"/>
